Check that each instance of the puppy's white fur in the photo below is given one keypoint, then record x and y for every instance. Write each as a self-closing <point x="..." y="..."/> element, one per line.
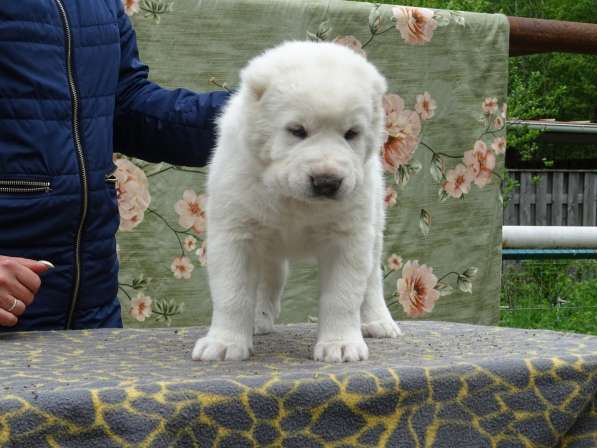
<point x="262" y="209"/>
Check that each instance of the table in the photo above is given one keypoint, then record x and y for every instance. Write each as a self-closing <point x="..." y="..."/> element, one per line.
<point x="441" y="384"/>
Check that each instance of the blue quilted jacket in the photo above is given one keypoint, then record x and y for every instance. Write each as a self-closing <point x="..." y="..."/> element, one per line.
<point x="72" y="90"/>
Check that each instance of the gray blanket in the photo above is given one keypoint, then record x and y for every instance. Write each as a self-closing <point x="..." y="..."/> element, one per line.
<point x="440" y="385"/>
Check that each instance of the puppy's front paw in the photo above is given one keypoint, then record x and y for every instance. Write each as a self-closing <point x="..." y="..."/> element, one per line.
<point x="341" y="351"/>
<point x="381" y="329"/>
<point x="214" y="349"/>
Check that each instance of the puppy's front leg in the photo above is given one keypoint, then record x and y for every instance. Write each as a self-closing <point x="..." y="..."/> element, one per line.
<point x="233" y="282"/>
<point x="344" y="269"/>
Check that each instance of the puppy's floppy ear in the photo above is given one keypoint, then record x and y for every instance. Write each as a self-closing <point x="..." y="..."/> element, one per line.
<point x="380" y="85"/>
<point x="380" y="88"/>
<point x="256" y="77"/>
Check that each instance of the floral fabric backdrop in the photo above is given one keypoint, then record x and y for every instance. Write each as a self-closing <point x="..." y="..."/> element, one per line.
<point x="443" y="154"/>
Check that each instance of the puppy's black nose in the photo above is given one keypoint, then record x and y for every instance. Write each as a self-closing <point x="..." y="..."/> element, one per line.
<point x="325" y="185"/>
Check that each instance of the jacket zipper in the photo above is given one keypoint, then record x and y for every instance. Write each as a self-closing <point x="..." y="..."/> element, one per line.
<point x="81" y="158"/>
<point x="23" y="186"/>
<point x="111" y="178"/>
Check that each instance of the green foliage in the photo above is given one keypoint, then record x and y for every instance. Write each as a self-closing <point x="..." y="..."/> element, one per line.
<point x="556" y="295"/>
<point x="530" y="98"/>
<point x="457" y="5"/>
<point x="165" y="309"/>
<point x="509" y="184"/>
<point x="155" y="8"/>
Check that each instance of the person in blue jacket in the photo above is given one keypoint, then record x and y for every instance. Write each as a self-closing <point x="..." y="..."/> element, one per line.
<point x="72" y="91"/>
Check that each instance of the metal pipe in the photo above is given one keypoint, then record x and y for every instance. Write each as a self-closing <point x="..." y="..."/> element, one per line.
<point x="529" y="36"/>
<point x="542" y="237"/>
<point x="559" y="127"/>
<point x="549" y="254"/>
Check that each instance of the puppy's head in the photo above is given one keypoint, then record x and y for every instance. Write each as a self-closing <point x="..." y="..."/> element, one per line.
<point x="315" y="117"/>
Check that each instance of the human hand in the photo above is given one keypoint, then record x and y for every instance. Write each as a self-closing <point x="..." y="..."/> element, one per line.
<point x="19" y="282"/>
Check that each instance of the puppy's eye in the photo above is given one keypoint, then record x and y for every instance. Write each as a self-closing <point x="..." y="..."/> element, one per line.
<point x="298" y="132"/>
<point x="351" y="134"/>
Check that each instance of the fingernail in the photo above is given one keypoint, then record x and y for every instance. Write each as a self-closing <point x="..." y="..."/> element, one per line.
<point x="47" y="263"/>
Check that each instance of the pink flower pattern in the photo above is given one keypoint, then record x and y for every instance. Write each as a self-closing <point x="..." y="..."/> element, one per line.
<point x="191" y="211"/>
<point x="425" y="106"/>
<point x="402" y="129"/>
<point x="458" y="181"/>
<point x="394" y="262"/>
<point x="351" y="42"/>
<point x="140" y="307"/>
<point x="190" y="243"/>
<point x="182" y="268"/>
<point x="390" y="197"/>
<point x="482" y="162"/>
<point x="490" y="105"/>
<point x="416" y="289"/>
<point x="131" y="6"/>
<point x="132" y="191"/>
<point x="499" y="145"/>
<point x="416" y="25"/>
<point x="202" y="254"/>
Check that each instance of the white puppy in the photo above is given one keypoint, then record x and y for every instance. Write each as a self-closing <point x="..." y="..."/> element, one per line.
<point x="296" y="173"/>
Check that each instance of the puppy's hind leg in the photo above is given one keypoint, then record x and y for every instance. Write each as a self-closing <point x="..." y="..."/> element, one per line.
<point x="376" y="320"/>
<point x="272" y="279"/>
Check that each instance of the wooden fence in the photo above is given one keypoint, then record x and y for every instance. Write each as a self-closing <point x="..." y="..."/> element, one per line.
<point x="553" y="198"/>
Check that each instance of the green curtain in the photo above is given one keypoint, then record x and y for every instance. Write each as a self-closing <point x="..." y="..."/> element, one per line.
<point x="444" y="155"/>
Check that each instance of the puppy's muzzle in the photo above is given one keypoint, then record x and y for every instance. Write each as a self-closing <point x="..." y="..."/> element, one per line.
<point x="325" y="185"/>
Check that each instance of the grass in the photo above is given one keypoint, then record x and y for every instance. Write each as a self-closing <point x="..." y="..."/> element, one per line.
<point x="555" y="295"/>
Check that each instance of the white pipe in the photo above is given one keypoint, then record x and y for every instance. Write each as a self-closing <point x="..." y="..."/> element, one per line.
<point x="556" y="126"/>
<point x="543" y="237"/>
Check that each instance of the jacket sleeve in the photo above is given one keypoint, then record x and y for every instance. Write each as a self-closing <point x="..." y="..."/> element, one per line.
<point x="157" y="124"/>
